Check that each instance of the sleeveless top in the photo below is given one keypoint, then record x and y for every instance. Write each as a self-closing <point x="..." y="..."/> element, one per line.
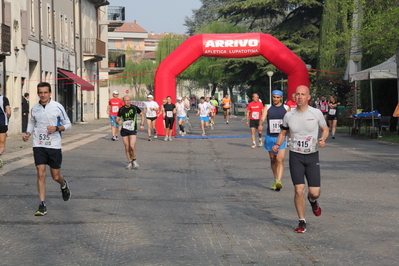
<point x="275" y="116"/>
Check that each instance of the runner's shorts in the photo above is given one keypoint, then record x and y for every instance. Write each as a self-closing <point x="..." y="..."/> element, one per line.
<point x="3" y="129"/>
<point x="253" y="123"/>
<point x="169" y="122"/>
<point x="126" y="132"/>
<point x="112" y="119"/>
<point x="51" y="157"/>
<point x="181" y="117"/>
<point x="226" y="109"/>
<point x="152" y="118"/>
<point x="305" y="165"/>
<point x="271" y="141"/>
<point x="205" y="119"/>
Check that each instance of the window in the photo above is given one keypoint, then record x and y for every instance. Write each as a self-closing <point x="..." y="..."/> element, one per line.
<point x="24" y="27"/>
<point x="49" y="29"/>
<point x="62" y="30"/>
<point x="32" y="17"/>
<point x="66" y="28"/>
<point x="72" y="36"/>
<point x="41" y="19"/>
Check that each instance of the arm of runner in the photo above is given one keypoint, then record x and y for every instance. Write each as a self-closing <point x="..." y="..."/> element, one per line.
<point x="142" y="120"/>
<point x="324" y="136"/>
<point x="108" y="108"/>
<point x="247" y="117"/>
<point x="280" y="140"/>
<point x="263" y="118"/>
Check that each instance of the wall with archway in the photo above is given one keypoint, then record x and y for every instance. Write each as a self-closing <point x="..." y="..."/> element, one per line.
<point x="227" y="46"/>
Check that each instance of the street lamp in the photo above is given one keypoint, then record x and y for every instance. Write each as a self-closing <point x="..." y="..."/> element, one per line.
<point x="210" y="86"/>
<point x="270" y="74"/>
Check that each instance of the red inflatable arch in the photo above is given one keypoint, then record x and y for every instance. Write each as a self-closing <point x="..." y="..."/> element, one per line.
<point x="227" y="46"/>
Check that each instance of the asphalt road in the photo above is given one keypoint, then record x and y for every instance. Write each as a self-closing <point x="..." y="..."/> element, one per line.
<point x="197" y="202"/>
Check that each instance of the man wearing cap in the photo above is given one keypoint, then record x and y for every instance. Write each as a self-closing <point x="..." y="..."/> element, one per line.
<point x="114" y="104"/>
<point x="252" y="116"/>
<point x="274" y="115"/>
<point x="151" y="108"/>
<point x="181" y="113"/>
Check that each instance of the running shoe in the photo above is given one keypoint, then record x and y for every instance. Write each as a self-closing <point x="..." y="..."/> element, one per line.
<point x="41" y="211"/>
<point x="66" y="193"/>
<point x="253" y="145"/>
<point x="116" y="138"/>
<point x="301" y="227"/>
<point x="203" y="135"/>
<point x="1" y="163"/>
<point x="333" y="137"/>
<point x="149" y="138"/>
<point x="166" y="138"/>
<point x="169" y="139"/>
<point x="227" y="122"/>
<point x="180" y="132"/>
<point x="155" y="135"/>
<point x="113" y="138"/>
<point x="315" y="207"/>
<point x="128" y="166"/>
<point x="211" y="126"/>
<point x="260" y="143"/>
<point x="279" y="185"/>
<point x="274" y="185"/>
<point x="135" y="165"/>
<point x="212" y="122"/>
<point x="184" y="133"/>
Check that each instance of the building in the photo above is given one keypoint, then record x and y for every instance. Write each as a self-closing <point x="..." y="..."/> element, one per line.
<point x="54" y="41"/>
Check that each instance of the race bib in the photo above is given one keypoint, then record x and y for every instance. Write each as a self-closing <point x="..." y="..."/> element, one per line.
<point x="204" y="111"/>
<point x="275" y="125"/>
<point x="226" y="105"/>
<point x="42" y="137"/>
<point x="255" y="115"/>
<point x="169" y="113"/>
<point x="129" y="125"/>
<point x="302" y="144"/>
<point x="323" y="107"/>
<point x="115" y="109"/>
<point x="332" y="111"/>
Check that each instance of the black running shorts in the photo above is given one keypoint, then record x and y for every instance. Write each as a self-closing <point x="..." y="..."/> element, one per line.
<point x="305" y="165"/>
<point x="126" y="132"/>
<point x="169" y="122"/>
<point x="3" y="129"/>
<point x="152" y="118"/>
<point x="253" y="123"/>
<point x="51" y="157"/>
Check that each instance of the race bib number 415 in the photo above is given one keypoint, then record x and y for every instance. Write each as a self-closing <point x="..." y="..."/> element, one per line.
<point x="303" y="144"/>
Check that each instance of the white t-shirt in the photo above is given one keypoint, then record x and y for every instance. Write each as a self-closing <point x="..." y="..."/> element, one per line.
<point x="304" y="129"/>
<point x="204" y="108"/>
<point x="180" y="110"/>
<point x="148" y="106"/>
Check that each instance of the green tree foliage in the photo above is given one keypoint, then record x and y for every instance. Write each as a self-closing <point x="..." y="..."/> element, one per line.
<point x="167" y="45"/>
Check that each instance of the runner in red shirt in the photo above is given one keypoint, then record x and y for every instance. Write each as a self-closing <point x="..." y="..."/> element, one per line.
<point x="252" y="116"/>
<point x="112" y="110"/>
<point x="291" y="103"/>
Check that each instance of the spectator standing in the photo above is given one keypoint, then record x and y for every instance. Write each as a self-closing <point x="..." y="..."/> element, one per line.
<point x="5" y="114"/>
<point x="25" y="111"/>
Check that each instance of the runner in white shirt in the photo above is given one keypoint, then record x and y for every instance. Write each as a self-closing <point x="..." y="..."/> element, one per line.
<point x="203" y="111"/>
<point x="304" y="123"/>
<point x="150" y="110"/>
<point x="48" y="119"/>
<point x="181" y="113"/>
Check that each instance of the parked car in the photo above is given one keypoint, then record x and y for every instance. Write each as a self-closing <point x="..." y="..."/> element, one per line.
<point x="242" y="104"/>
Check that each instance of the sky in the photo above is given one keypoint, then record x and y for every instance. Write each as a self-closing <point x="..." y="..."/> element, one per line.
<point x="158" y="16"/>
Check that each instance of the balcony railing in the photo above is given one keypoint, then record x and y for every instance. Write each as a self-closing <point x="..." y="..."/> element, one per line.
<point x="93" y="47"/>
<point x="116" y="13"/>
<point x="5" y="41"/>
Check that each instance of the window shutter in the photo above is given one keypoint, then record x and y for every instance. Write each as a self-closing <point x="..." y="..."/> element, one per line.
<point x="7" y="13"/>
<point x="24" y="27"/>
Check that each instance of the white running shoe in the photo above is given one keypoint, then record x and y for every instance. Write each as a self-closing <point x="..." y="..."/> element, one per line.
<point x="211" y="126"/>
<point x="184" y="133"/>
<point x="135" y="165"/>
<point x="166" y="138"/>
<point x="129" y="166"/>
<point x="260" y="143"/>
<point x="253" y="145"/>
<point x="155" y="135"/>
<point x="203" y="135"/>
<point x="180" y="133"/>
<point x="169" y="139"/>
<point x="116" y="138"/>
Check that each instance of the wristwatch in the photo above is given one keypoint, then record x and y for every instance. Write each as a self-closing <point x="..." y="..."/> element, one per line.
<point x="57" y="128"/>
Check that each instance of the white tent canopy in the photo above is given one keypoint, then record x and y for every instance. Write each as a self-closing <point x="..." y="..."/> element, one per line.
<point x="386" y="70"/>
